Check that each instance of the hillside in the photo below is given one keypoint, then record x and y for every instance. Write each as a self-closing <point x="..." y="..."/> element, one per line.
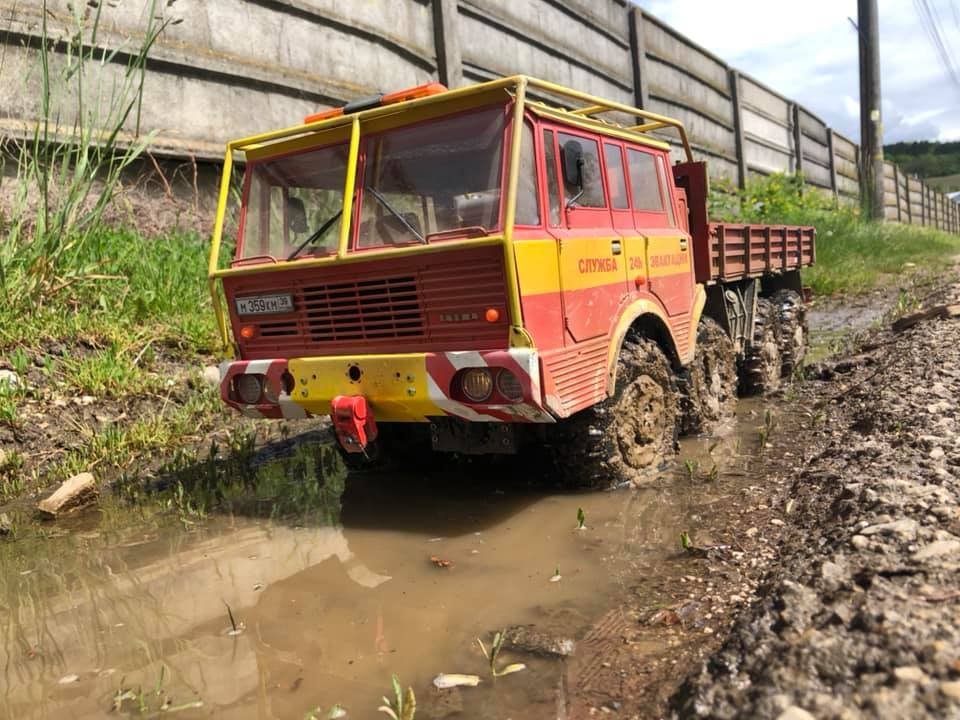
<point x="926" y="159"/>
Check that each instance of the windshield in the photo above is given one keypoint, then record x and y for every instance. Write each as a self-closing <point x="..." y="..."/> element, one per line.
<point x="438" y="179"/>
<point x="289" y="200"/>
<point x="432" y="181"/>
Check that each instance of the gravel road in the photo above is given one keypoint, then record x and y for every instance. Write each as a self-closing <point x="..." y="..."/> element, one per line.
<point x="860" y="618"/>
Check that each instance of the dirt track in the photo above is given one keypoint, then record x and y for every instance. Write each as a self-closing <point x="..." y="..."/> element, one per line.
<point x="858" y="617"/>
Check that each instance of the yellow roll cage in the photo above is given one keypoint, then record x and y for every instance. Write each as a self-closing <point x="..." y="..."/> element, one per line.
<point x="308" y="134"/>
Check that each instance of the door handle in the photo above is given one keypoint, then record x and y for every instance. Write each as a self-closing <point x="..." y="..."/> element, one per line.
<point x="616" y="246"/>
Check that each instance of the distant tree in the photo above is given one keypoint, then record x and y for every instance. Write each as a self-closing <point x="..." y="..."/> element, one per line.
<point x="925" y="158"/>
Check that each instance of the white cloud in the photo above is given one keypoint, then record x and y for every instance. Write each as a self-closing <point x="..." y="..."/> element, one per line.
<point x="808" y="52"/>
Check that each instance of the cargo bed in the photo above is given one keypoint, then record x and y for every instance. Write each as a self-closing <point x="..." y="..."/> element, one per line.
<point x="733" y="251"/>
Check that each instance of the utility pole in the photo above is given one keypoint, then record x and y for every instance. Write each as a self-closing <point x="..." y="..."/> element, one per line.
<point x="871" y="126"/>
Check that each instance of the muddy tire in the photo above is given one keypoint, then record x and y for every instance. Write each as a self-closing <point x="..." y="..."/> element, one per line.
<point x="792" y="330"/>
<point x="761" y="367"/>
<point x="708" y="387"/>
<point x="622" y="438"/>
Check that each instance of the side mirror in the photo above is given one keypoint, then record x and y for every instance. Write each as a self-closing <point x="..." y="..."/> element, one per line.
<point x="296" y="215"/>
<point x="571" y="155"/>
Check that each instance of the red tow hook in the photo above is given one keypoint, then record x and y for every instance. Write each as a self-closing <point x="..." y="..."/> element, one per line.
<point x="353" y="422"/>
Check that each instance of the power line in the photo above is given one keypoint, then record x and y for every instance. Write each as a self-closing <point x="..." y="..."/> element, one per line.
<point x="930" y="21"/>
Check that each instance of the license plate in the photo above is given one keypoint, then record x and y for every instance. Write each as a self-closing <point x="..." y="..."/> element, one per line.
<point x="265" y="304"/>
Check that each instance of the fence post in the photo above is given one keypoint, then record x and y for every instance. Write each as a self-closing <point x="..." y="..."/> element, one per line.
<point x="896" y="188"/>
<point x="833" y="163"/>
<point x="734" y="79"/>
<point x="446" y="42"/>
<point x="797" y="138"/>
<point x="638" y="57"/>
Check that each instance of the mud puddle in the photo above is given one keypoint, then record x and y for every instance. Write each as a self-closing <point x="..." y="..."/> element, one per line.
<point x="334" y="585"/>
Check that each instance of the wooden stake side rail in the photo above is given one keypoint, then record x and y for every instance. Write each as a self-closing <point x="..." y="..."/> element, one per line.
<point x="772" y="249"/>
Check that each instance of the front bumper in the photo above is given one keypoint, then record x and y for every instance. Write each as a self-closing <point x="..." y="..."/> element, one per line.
<point x="410" y="387"/>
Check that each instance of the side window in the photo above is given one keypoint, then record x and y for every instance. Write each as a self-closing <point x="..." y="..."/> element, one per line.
<point x="665" y="181"/>
<point x="588" y="192"/>
<point x="553" y="186"/>
<point x="644" y="182"/>
<point x="528" y="210"/>
<point x="616" y="182"/>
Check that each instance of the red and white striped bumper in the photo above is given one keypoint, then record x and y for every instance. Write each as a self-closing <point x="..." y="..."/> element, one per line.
<point x="398" y="388"/>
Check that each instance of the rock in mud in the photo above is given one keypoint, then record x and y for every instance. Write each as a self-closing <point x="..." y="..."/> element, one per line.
<point x="9" y="378"/>
<point x="211" y="376"/>
<point x="534" y="641"/>
<point x="78" y="492"/>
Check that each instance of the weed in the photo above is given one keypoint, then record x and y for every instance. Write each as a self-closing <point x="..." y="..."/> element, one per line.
<point x="20" y="362"/>
<point x="494" y="653"/>
<point x="763" y="432"/>
<point x="150" y="703"/>
<point x="8" y="405"/>
<point x="404" y="706"/>
<point x="70" y="169"/>
<point x="691" y="466"/>
<point x="581" y="519"/>
<point x="685" y="541"/>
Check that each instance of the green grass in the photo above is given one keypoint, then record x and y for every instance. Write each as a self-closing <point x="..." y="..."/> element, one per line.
<point x="146" y="294"/>
<point x="853" y="255"/>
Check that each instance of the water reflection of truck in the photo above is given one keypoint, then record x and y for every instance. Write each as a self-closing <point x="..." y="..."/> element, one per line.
<point x="506" y="264"/>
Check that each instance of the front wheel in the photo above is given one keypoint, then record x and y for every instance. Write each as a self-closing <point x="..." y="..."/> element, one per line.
<point x="620" y="439"/>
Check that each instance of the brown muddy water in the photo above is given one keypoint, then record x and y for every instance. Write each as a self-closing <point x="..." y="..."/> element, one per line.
<point x="332" y="586"/>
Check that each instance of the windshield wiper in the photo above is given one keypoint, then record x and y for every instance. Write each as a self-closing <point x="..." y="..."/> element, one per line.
<point x="316" y="236"/>
<point x="573" y="201"/>
<point x="383" y="201"/>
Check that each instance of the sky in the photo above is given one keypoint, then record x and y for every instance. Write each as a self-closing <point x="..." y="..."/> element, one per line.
<point x="807" y="51"/>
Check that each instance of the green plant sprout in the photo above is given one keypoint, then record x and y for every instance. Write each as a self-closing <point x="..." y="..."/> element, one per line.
<point x="581" y="519"/>
<point x="404" y="706"/>
<point x="494" y="653"/>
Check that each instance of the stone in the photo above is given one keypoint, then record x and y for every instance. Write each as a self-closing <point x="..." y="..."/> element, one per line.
<point x="937" y="549"/>
<point x="795" y="713"/>
<point x="211" y="375"/>
<point x="911" y="673"/>
<point x="937" y="453"/>
<point x="77" y="492"/>
<point x="859" y="542"/>
<point x="951" y="689"/>
<point x="905" y="528"/>
<point x="9" y="378"/>
<point x="530" y="639"/>
<point x="4" y="458"/>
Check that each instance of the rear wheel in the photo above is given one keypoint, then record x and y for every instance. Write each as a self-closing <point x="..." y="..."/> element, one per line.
<point x="709" y="384"/>
<point x="792" y="328"/>
<point x="760" y="369"/>
<point x="618" y="439"/>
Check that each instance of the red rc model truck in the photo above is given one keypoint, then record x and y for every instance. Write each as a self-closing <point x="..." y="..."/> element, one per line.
<point x="478" y="269"/>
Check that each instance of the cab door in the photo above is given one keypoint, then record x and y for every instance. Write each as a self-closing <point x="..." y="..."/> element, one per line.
<point x="592" y="269"/>
<point x="667" y="255"/>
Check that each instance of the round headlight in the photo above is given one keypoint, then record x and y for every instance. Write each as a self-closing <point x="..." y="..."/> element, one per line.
<point x="509" y="386"/>
<point x="249" y="388"/>
<point x="477" y="384"/>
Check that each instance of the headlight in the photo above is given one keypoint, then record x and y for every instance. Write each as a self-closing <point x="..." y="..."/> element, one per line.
<point x="509" y="386"/>
<point x="477" y="384"/>
<point x="249" y="388"/>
